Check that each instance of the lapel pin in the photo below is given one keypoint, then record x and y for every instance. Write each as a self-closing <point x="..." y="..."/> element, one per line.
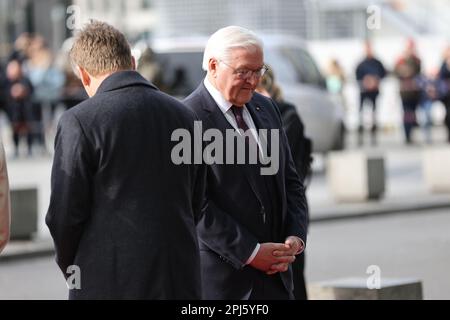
<point x="258" y="108"/>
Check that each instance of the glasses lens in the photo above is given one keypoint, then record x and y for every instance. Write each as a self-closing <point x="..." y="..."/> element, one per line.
<point x="263" y="70"/>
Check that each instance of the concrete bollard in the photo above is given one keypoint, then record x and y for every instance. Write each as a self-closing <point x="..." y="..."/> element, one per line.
<point x="436" y="168"/>
<point x="24" y="212"/>
<point x="355" y="176"/>
<point x="357" y="289"/>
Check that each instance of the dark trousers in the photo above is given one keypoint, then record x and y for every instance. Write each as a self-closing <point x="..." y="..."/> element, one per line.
<point x="372" y="98"/>
<point x="269" y="288"/>
<point x="409" y="116"/>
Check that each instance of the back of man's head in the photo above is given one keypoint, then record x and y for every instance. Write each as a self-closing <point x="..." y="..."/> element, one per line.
<point x="226" y="39"/>
<point x="101" y="49"/>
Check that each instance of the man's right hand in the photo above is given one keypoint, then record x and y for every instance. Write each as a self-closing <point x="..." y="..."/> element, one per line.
<point x="265" y="258"/>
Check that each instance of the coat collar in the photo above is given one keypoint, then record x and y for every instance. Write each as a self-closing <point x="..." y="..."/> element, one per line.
<point x="123" y="79"/>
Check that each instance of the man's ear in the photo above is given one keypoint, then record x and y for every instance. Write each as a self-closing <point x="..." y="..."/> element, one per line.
<point x="133" y="63"/>
<point x="212" y="66"/>
<point x="84" y="76"/>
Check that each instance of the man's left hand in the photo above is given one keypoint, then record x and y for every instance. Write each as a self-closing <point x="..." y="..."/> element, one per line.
<point x="293" y="247"/>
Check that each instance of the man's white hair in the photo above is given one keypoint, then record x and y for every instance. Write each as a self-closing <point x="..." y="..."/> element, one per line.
<point x="223" y="41"/>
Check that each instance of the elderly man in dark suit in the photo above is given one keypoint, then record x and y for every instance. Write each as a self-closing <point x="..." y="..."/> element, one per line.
<point x="121" y="214"/>
<point x="254" y="224"/>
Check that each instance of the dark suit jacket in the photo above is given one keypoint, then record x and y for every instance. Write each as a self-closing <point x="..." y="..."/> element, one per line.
<point x="228" y="228"/>
<point x="120" y="209"/>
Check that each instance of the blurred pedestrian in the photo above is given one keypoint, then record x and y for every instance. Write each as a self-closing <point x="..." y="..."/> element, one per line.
<point x="336" y="80"/>
<point x="19" y="90"/>
<point x="120" y="210"/>
<point x="444" y="75"/>
<point x="433" y="89"/>
<point x="21" y="49"/>
<point x="5" y="211"/>
<point x="47" y="81"/>
<point x="72" y="92"/>
<point x="301" y="149"/>
<point x="255" y="222"/>
<point x="407" y="70"/>
<point x="150" y="69"/>
<point x="369" y="73"/>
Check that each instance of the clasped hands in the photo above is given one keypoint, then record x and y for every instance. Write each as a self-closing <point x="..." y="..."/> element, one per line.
<point x="276" y="257"/>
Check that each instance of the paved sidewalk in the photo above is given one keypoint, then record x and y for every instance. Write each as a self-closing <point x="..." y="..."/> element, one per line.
<point x="405" y="191"/>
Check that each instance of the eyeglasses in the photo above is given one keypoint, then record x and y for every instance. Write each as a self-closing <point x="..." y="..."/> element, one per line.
<point x="245" y="74"/>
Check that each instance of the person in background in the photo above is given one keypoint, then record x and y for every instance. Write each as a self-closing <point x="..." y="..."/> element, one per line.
<point x="5" y="210"/>
<point x="301" y="149"/>
<point x="19" y="90"/>
<point x="72" y="92"/>
<point x="336" y="80"/>
<point x="21" y="49"/>
<point x="369" y="73"/>
<point x="444" y="76"/>
<point x="407" y="69"/>
<point x="150" y="69"/>
<point x="433" y="89"/>
<point x="47" y="81"/>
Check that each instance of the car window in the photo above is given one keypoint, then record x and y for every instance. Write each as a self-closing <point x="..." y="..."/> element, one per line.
<point x="304" y="65"/>
<point x="282" y="67"/>
<point x="181" y="72"/>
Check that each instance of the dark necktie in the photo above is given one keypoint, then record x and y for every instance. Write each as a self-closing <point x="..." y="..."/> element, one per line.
<point x="237" y="111"/>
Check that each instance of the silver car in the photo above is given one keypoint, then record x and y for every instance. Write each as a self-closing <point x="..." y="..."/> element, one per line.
<point x="180" y="62"/>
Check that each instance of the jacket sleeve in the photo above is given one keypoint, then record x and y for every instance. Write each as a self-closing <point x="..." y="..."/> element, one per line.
<point x="225" y="236"/>
<point x="5" y="211"/>
<point x="71" y="185"/>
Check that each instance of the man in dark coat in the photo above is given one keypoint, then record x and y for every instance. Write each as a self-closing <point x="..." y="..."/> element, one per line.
<point x="122" y="214"/>
<point x="369" y="73"/>
<point x="255" y="223"/>
<point x="408" y="69"/>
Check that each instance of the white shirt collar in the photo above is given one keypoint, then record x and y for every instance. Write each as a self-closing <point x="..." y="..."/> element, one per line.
<point x="223" y="104"/>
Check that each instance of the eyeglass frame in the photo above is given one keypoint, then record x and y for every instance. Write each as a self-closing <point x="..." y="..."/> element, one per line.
<point x="245" y="74"/>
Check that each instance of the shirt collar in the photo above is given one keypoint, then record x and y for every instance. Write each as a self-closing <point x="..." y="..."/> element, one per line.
<point x="223" y="104"/>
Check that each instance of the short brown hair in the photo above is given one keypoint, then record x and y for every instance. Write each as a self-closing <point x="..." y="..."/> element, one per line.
<point x="101" y="49"/>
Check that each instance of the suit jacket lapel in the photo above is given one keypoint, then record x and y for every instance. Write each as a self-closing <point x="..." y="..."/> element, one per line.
<point x="217" y="120"/>
<point x="261" y="120"/>
<point x="215" y="115"/>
